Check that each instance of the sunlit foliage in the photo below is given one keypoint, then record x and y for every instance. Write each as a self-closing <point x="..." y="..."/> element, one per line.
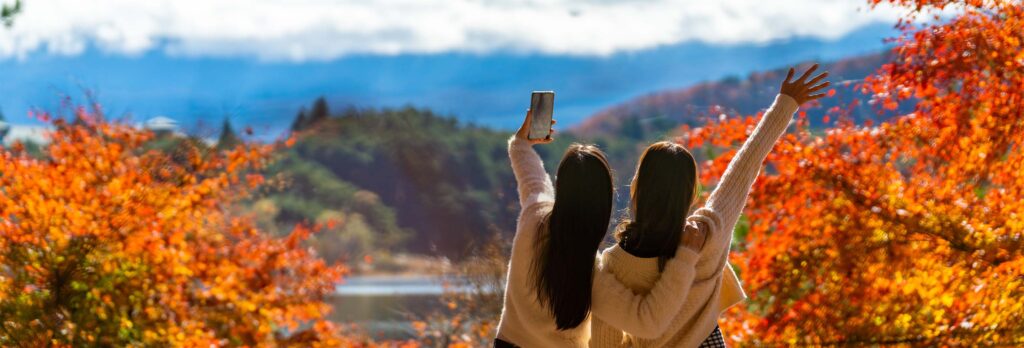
<point x="904" y="232"/>
<point x="104" y="242"/>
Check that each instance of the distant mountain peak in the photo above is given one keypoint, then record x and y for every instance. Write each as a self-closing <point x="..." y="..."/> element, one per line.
<point x="656" y="113"/>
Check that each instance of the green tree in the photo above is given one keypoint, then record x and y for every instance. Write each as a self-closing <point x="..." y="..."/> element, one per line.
<point x="228" y="138"/>
<point x="300" y="120"/>
<point x="320" y="111"/>
<point x="8" y="11"/>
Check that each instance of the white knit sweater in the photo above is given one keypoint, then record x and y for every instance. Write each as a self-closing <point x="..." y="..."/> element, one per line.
<point x="526" y="323"/>
<point x="716" y="287"/>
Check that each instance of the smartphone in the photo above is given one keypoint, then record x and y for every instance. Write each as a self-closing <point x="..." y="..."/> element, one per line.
<point x="542" y="104"/>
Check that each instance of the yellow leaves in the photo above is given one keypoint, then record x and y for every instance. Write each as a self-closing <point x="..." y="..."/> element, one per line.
<point x="268" y="313"/>
<point x="247" y="306"/>
<point x="879" y="235"/>
<point x="947" y="299"/>
<point x="149" y="336"/>
<point x="181" y="270"/>
<point x="902" y="321"/>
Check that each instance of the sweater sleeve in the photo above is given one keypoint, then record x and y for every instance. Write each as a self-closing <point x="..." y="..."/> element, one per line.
<point x="648" y="315"/>
<point x="533" y="182"/>
<point x="727" y="200"/>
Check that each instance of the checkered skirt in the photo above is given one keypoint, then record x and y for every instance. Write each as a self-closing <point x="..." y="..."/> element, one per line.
<point x="714" y="340"/>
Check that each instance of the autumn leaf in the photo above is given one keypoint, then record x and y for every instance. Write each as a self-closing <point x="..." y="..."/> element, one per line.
<point x="108" y="242"/>
<point x="905" y="232"/>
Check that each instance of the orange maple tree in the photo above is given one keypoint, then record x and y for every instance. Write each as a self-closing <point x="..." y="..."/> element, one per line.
<point x="105" y="242"/>
<point x="908" y="231"/>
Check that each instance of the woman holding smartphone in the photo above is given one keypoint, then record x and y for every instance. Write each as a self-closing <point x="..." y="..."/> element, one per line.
<point x="661" y="194"/>
<point x="552" y="286"/>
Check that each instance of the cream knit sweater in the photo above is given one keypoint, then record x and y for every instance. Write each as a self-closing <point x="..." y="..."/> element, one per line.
<point x="526" y="323"/>
<point x="715" y="287"/>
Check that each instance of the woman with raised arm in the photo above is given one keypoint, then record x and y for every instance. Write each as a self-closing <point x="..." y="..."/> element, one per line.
<point x="661" y="194"/>
<point x="552" y="283"/>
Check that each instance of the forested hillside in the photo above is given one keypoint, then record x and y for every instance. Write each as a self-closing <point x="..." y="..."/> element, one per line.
<point x="409" y="179"/>
<point x="396" y="178"/>
<point x="652" y="115"/>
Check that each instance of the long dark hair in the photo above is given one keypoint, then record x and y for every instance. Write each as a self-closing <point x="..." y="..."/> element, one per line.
<point x="563" y="273"/>
<point x="662" y="192"/>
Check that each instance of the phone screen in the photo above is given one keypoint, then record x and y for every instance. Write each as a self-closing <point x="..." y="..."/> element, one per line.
<point x="542" y="105"/>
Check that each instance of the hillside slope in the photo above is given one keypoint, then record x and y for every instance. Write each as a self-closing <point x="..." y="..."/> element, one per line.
<point x="409" y="179"/>
<point x="447" y="184"/>
<point x="652" y="115"/>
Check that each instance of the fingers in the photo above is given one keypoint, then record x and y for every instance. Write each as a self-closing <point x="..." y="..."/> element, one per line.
<point x="694" y="237"/>
<point x="819" y="87"/>
<point x="527" y="119"/>
<point x="702" y="236"/>
<point x="789" y="76"/>
<point x="524" y="130"/>
<point x="550" y="137"/>
<point x="817" y="78"/>
<point x="815" y="96"/>
<point x="808" y="72"/>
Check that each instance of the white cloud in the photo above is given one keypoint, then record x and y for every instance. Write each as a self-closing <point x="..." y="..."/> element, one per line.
<point x="324" y="29"/>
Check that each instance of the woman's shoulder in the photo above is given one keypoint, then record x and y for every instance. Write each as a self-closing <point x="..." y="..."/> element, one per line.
<point x="628" y="268"/>
<point x="537" y="211"/>
<point x="531" y="222"/>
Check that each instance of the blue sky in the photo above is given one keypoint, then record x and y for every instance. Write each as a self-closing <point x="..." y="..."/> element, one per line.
<point x="257" y="61"/>
<point x="301" y="30"/>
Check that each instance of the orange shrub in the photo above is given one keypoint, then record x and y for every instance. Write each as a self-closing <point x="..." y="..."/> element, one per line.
<point x="105" y="243"/>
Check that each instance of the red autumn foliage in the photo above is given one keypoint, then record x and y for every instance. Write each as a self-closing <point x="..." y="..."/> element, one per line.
<point x="904" y="232"/>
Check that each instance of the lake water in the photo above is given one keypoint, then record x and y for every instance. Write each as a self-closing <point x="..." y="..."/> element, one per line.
<point x="393" y="285"/>
<point x="385" y="306"/>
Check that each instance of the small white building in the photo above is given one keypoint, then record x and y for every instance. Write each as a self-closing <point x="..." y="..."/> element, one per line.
<point x="161" y="125"/>
<point x="24" y="133"/>
<point x="9" y="133"/>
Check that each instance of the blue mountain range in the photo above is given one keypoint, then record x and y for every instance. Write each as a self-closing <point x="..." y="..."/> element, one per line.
<point x="490" y="90"/>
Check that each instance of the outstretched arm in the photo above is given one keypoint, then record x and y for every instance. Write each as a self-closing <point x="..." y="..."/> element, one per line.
<point x="533" y="182"/>
<point x="648" y="315"/>
<point x="727" y="200"/>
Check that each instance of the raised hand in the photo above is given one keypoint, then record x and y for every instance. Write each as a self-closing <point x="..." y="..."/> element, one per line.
<point x="694" y="236"/>
<point x="803" y="90"/>
<point x="524" y="130"/>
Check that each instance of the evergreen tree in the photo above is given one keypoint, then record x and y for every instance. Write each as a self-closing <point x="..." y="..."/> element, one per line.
<point x="228" y="138"/>
<point x="320" y="111"/>
<point x="300" y="120"/>
<point x="4" y="127"/>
